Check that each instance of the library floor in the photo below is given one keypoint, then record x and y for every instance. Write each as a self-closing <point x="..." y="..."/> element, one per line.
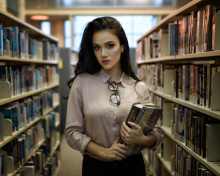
<point x="71" y="160"/>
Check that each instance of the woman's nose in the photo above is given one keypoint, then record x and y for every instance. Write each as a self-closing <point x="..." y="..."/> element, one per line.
<point x="104" y="53"/>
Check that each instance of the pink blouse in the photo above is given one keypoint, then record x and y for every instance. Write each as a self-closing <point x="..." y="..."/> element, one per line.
<point x="92" y="116"/>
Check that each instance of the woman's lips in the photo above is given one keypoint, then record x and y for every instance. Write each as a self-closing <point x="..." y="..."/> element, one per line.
<point x="105" y="61"/>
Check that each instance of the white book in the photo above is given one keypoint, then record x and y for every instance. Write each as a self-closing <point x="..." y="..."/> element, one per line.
<point x="199" y="32"/>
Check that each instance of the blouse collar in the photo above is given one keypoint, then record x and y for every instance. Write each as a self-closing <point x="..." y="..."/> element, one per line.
<point x="105" y="77"/>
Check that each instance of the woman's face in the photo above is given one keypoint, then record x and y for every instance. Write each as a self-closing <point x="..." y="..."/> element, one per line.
<point x="107" y="49"/>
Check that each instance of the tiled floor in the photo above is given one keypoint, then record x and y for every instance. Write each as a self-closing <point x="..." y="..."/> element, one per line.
<point x="71" y="160"/>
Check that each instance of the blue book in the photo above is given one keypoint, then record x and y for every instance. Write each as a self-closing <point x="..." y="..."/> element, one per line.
<point x="21" y="37"/>
<point x="3" y="73"/>
<point x="1" y="39"/>
<point x="16" y="43"/>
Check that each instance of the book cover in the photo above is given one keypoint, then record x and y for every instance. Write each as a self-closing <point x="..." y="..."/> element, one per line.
<point x="146" y="115"/>
<point x="208" y="28"/>
<point x="199" y="31"/>
<point x="173" y="36"/>
<point x="1" y="39"/>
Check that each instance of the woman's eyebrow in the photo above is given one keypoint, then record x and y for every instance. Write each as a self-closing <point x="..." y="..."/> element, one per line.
<point x="105" y="43"/>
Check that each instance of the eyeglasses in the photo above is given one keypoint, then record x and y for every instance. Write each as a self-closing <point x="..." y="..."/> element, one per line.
<point x="115" y="98"/>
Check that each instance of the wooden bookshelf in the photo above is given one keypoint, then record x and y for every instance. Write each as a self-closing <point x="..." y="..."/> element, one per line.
<point x="180" y="13"/>
<point x="146" y="63"/>
<point x="188" y="104"/>
<point x="212" y="166"/>
<point x="4" y="101"/>
<point x="22" y="60"/>
<point x="48" y="60"/>
<point x="208" y="57"/>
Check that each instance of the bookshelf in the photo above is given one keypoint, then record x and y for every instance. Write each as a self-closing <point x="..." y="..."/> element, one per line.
<point x="29" y="99"/>
<point x="188" y="110"/>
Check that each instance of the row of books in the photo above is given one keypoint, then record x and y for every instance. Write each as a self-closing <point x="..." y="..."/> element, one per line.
<point x="19" y="43"/>
<point x="195" y="33"/>
<point x="153" y="45"/>
<point x="182" y="163"/>
<point x="185" y="164"/>
<point x="21" y="113"/>
<point x="27" y="78"/>
<point x="195" y="130"/>
<point x="37" y="165"/>
<point x="187" y="82"/>
<point x="20" y="148"/>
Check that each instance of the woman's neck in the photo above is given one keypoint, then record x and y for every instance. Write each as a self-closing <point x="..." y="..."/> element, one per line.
<point x="116" y="75"/>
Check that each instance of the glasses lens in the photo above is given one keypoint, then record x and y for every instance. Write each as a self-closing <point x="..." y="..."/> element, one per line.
<point x="113" y="86"/>
<point x="115" y="98"/>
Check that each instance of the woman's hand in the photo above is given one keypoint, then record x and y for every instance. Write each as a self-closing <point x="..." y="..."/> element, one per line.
<point x="133" y="135"/>
<point x="115" y="152"/>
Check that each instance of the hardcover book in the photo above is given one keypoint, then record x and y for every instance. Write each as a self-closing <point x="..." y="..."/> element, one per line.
<point x="146" y="115"/>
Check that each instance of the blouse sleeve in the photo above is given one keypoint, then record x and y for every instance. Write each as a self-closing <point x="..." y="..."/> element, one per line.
<point x="74" y="130"/>
<point x="156" y="130"/>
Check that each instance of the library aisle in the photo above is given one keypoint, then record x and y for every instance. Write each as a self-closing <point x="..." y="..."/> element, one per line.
<point x="71" y="160"/>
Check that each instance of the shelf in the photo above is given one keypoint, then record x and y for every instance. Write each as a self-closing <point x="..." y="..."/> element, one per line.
<point x="180" y="13"/>
<point x="212" y="166"/>
<point x="15" y="134"/>
<point x="188" y="104"/>
<point x="166" y="164"/>
<point x="22" y="60"/>
<point x="186" y="57"/>
<point x="32" y="152"/>
<point x="26" y="94"/>
<point x="11" y="20"/>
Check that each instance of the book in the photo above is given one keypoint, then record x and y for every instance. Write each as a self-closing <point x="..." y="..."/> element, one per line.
<point x="1" y="127"/>
<point x="212" y="142"/>
<point x="146" y="115"/>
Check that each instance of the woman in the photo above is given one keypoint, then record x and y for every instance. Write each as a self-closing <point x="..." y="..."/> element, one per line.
<point x="102" y="92"/>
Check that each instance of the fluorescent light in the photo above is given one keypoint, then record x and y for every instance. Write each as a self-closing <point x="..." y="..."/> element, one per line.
<point x="39" y="17"/>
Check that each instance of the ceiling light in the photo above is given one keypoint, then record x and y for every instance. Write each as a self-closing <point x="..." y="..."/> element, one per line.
<point x="39" y="17"/>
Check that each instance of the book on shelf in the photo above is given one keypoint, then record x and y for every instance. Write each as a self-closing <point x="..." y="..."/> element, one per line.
<point x="3" y="163"/>
<point x="216" y="26"/>
<point x="173" y="38"/>
<point x="146" y="115"/>
<point x="1" y="127"/>
<point x="162" y="44"/>
<point x="212" y="142"/>
<point x="199" y="31"/>
<point x="208" y="28"/>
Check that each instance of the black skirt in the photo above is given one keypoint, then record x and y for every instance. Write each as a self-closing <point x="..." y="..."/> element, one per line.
<point x="131" y="166"/>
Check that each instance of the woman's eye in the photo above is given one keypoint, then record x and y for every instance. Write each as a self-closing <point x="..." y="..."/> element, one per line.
<point x="95" y="47"/>
<point x="110" y="45"/>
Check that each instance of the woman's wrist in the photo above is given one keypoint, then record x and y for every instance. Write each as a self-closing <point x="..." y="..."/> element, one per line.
<point x="149" y="140"/>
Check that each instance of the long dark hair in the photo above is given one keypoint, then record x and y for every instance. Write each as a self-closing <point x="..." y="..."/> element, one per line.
<point x="87" y="61"/>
